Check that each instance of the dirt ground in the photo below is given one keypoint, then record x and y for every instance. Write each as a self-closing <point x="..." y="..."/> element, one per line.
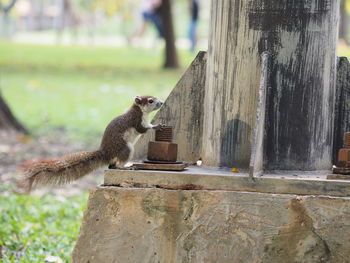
<point x="16" y="150"/>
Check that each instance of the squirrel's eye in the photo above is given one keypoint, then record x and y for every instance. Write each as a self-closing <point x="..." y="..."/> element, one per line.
<point x="150" y="101"/>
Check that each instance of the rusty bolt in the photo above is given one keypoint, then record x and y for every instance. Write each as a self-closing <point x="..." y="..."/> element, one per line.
<point x="347" y="140"/>
<point x="343" y="165"/>
<point x="162" y="149"/>
<point x="344" y="153"/>
<point x="165" y="134"/>
<point x="344" y="157"/>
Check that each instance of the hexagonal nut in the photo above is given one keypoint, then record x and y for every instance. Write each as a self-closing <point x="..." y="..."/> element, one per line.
<point x="162" y="151"/>
<point x="344" y="158"/>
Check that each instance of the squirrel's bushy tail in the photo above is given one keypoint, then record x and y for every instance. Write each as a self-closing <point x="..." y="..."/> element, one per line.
<point x="61" y="170"/>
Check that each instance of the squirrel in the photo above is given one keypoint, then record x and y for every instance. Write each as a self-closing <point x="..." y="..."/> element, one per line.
<point x="116" y="148"/>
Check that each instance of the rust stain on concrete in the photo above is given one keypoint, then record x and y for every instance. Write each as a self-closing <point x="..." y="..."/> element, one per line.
<point x="297" y="241"/>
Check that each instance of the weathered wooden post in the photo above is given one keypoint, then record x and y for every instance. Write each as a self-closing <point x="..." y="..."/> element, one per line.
<point x="213" y="215"/>
<point x="301" y="37"/>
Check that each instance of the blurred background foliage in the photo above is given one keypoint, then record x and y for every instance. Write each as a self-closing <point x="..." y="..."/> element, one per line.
<point x="73" y="64"/>
<point x="79" y="89"/>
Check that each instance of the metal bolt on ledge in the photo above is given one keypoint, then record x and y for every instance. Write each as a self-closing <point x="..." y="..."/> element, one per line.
<point x="343" y="164"/>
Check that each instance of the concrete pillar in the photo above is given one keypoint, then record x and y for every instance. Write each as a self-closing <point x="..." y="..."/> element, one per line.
<point x="206" y="216"/>
<point x="301" y="37"/>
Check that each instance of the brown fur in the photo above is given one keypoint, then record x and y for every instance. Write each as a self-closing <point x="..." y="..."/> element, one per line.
<point x="62" y="170"/>
<point x="113" y="143"/>
<point x="74" y="166"/>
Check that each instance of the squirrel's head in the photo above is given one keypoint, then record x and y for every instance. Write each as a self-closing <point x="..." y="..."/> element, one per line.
<point x="148" y="103"/>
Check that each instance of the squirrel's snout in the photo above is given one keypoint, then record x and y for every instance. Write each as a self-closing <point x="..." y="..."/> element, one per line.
<point x="159" y="104"/>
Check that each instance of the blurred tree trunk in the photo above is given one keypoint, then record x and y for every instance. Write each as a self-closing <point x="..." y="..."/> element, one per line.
<point x="5" y="11"/>
<point x="68" y="19"/>
<point x="171" y="60"/>
<point x="343" y="25"/>
<point x="8" y="120"/>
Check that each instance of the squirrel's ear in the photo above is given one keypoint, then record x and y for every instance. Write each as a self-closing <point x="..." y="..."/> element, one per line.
<point x="137" y="100"/>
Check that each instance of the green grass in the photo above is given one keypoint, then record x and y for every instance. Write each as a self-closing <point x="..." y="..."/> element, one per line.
<point x="94" y="60"/>
<point x="80" y="88"/>
<point x="32" y="228"/>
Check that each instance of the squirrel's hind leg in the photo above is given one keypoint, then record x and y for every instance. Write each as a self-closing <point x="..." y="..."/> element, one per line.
<point x="122" y="159"/>
<point x="118" y="164"/>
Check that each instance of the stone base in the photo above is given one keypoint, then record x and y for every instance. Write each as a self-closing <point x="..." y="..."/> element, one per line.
<point x="146" y="224"/>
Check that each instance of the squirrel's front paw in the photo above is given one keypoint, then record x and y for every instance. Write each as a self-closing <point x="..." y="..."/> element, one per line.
<point x="159" y="127"/>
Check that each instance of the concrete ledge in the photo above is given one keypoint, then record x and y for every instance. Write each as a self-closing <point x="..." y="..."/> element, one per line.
<point x="132" y="225"/>
<point x="214" y="179"/>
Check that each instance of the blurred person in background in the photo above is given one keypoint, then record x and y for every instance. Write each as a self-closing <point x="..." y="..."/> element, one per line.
<point x="150" y="11"/>
<point x="192" y="34"/>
